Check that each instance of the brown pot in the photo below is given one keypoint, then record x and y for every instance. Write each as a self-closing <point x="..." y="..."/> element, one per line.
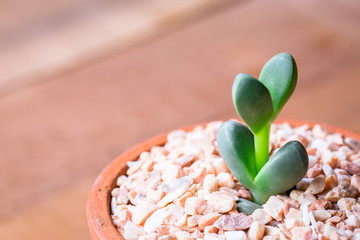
<point x="98" y="205"/>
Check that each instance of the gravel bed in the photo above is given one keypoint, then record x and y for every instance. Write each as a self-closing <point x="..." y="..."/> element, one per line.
<point x="183" y="190"/>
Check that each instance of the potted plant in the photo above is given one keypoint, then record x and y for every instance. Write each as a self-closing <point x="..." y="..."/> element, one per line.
<point x="290" y="180"/>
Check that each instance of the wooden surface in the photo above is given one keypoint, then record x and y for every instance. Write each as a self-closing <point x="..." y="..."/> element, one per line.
<point x="37" y="43"/>
<point x="58" y="134"/>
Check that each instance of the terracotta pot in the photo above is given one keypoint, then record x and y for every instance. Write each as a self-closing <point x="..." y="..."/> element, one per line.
<point x="98" y="206"/>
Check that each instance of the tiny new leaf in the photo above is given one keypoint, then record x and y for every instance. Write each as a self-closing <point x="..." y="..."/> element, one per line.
<point x="252" y="101"/>
<point x="279" y="75"/>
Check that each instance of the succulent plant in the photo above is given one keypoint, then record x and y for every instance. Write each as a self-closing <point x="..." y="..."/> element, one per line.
<point x="246" y="150"/>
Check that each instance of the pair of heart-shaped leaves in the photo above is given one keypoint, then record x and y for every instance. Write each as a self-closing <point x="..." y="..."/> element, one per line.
<point x="283" y="170"/>
<point x="258" y="102"/>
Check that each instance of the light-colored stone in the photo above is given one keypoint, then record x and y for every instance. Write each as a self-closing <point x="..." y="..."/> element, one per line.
<point x="166" y="237"/>
<point x="172" y="196"/>
<point x="221" y="202"/>
<point x="328" y="170"/>
<point x="320" y="145"/>
<point x="350" y="167"/>
<point x="230" y="191"/>
<point x="256" y="231"/>
<point x="214" y="236"/>
<point x="204" y="145"/>
<point x="208" y="219"/>
<point x="335" y="138"/>
<point x="180" y="201"/>
<point x="355" y="182"/>
<point x="197" y="234"/>
<point x="163" y="230"/>
<point x="303" y="233"/>
<point x="294" y="194"/>
<point x="343" y="190"/>
<point x="356" y="236"/>
<point x="244" y="193"/>
<point x="121" y="195"/>
<point x="331" y="182"/>
<point x="328" y="158"/>
<point x="225" y="180"/>
<point x="304" y="209"/>
<point x="294" y="219"/>
<point x="155" y="220"/>
<point x="210" y="183"/>
<point x="352" y="221"/>
<point x="346" y="203"/>
<point x="185" y="160"/>
<point x="330" y="232"/>
<point x="174" y="185"/>
<point x="285" y="232"/>
<point x="149" y="236"/>
<point x="238" y="221"/>
<point x="171" y="173"/>
<point x="183" y="235"/>
<point x="316" y="186"/>
<point x="272" y="231"/>
<point x="175" y="211"/>
<point x="271" y="238"/>
<point x="220" y="166"/>
<point x="274" y="207"/>
<point x="235" y="235"/>
<point x="198" y="174"/>
<point x="193" y="221"/>
<point x="155" y="195"/>
<point x="195" y="205"/>
<point x="306" y="198"/>
<point x="122" y="214"/>
<point x="132" y="231"/>
<point x="121" y="180"/>
<point x="143" y="211"/>
<point x="304" y="184"/>
<point x="320" y="205"/>
<point x="333" y="220"/>
<point x="319" y="132"/>
<point x="312" y="160"/>
<point x="321" y="215"/>
<point x="352" y="143"/>
<point x="211" y="229"/>
<point x="261" y="216"/>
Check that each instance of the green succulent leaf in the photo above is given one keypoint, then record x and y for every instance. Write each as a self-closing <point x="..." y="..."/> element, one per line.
<point x="246" y="206"/>
<point x="279" y="75"/>
<point x="283" y="171"/>
<point x="236" y="146"/>
<point x="252" y="101"/>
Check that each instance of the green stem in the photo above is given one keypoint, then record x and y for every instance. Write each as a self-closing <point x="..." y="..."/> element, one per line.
<point x="260" y="197"/>
<point x="262" y="139"/>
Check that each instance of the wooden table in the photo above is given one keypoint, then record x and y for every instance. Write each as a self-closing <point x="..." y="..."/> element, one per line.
<point x="58" y="134"/>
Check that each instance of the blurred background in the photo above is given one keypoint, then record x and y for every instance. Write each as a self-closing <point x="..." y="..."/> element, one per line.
<point x="83" y="80"/>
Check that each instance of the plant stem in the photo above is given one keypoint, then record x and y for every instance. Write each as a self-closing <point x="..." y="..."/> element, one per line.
<point x="262" y="138"/>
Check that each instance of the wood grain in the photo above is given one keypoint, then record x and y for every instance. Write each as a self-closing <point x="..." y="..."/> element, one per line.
<point x="61" y="35"/>
<point x="57" y="136"/>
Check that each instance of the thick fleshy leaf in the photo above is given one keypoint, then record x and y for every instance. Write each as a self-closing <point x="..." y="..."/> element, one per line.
<point x="236" y="147"/>
<point x="279" y="75"/>
<point x="246" y="206"/>
<point x="252" y="101"/>
<point x="283" y="170"/>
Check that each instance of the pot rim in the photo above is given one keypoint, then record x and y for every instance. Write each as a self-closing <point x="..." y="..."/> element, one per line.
<point x="98" y="204"/>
